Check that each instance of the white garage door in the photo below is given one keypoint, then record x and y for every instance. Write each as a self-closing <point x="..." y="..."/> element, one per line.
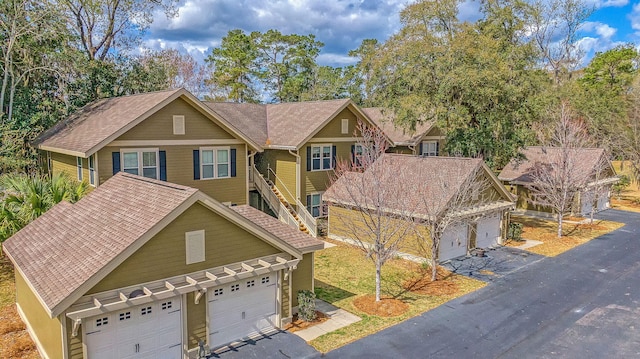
<point x="488" y="231"/>
<point x="147" y="331"/>
<point x="242" y="309"/>
<point x="454" y="242"/>
<point x="603" y="201"/>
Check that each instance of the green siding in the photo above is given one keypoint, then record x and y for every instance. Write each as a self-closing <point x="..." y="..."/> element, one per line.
<point x="334" y="127"/>
<point x="180" y="171"/>
<point x="48" y="331"/>
<point x="319" y="181"/>
<point x="74" y="344"/>
<point x="159" y="126"/>
<point x="284" y="308"/>
<point x="302" y="277"/>
<point x="196" y="320"/>
<point x="405" y="150"/>
<point x="164" y="255"/>
<point x="284" y="165"/>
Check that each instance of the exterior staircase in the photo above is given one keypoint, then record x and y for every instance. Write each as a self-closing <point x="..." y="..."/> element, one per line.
<point x="289" y="207"/>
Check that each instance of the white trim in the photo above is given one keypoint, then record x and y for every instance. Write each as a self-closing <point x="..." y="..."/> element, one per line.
<point x="335" y="139"/>
<point x="321" y="212"/>
<point x="215" y="163"/>
<point x="95" y="162"/>
<point x="433" y="137"/>
<point x="62" y="151"/>
<point x="39" y="346"/>
<point x="344" y="126"/>
<point x="65" y="339"/>
<point x="178" y="125"/>
<point x="185" y="334"/>
<point x="202" y="142"/>
<point x="331" y="156"/>
<point x="141" y="167"/>
<point x="95" y="173"/>
<point x="79" y="169"/>
<point x="426" y="151"/>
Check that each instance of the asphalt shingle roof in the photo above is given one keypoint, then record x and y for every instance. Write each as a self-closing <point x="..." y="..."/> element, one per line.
<point x="400" y="136"/>
<point x="69" y="244"/>
<point x="519" y="169"/>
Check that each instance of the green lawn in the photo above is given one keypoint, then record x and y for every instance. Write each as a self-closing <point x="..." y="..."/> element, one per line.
<point x="342" y="273"/>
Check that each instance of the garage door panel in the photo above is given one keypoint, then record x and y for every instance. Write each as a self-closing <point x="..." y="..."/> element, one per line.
<point x="488" y="231"/>
<point x="453" y="242"/>
<point x="251" y="309"/>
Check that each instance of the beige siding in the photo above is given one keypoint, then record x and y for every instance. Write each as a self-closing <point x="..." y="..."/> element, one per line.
<point x="319" y="181"/>
<point x="164" y="255"/>
<point x="64" y="164"/>
<point x="196" y="320"/>
<point x="302" y="277"/>
<point x="74" y="344"/>
<point x="180" y="170"/>
<point x="48" y="331"/>
<point x="284" y="165"/>
<point x="159" y="126"/>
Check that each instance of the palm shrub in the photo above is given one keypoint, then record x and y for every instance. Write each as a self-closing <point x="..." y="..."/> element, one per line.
<point x="25" y="198"/>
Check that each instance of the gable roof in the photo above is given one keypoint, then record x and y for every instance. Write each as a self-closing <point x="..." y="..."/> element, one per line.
<point x="95" y="125"/>
<point x="400" y="136"/>
<point x="71" y="247"/>
<point x="519" y="169"/>
<point x="283" y="125"/>
<point x="426" y="185"/>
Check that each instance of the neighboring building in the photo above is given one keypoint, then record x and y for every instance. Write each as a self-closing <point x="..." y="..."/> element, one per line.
<point x="145" y="268"/>
<point x="425" y="140"/>
<point x="301" y="143"/>
<point x="590" y="161"/>
<point x="428" y="187"/>
<point x="167" y="135"/>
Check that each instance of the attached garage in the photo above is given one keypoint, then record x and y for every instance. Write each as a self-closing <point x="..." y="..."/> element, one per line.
<point x="603" y="200"/>
<point x="488" y="231"/>
<point x="454" y="242"/>
<point x="242" y="309"/>
<point x="586" y="202"/>
<point x="152" y="330"/>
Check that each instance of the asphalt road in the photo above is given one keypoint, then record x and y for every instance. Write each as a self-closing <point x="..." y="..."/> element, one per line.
<point x="582" y="304"/>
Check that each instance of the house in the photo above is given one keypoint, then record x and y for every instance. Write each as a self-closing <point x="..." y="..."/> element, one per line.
<point x="301" y="143"/>
<point x="167" y="135"/>
<point x="592" y="163"/>
<point x="425" y="140"/>
<point x="463" y="190"/>
<point x="146" y="268"/>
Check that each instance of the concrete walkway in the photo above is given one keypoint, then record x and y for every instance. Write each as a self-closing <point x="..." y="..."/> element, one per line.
<point x="338" y="318"/>
<point x="528" y="244"/>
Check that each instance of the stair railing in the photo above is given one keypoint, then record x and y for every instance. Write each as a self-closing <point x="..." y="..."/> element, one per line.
<point x="305" y="217"/>
<point x="272" y="200"/>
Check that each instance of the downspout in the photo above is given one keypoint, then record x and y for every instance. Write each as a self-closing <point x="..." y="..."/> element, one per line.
<point x="250" y="157"/>
<point x="297" y="156"/>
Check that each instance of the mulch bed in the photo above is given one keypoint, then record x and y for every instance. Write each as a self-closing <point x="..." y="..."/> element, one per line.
<point x="421" y="283"/>
<point x="299" y="324"/>
<point x="15" y="342"/>
<point x="386" y="307"/>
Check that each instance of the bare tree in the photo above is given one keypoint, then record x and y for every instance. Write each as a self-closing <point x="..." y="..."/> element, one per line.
<point x="378" y="216"/>
<point x="560" y="173"/>
<point x="457" y="198"/>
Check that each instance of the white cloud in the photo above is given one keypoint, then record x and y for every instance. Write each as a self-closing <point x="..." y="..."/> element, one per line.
<point x="634" y="17"/>
<point x="598" y="4"/>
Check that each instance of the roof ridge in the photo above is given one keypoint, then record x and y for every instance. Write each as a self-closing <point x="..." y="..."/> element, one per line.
<point x="156" y="182"/>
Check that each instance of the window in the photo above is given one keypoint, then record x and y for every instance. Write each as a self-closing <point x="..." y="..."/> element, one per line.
<point x="178" y="124"/>
<point x="430" y="148"/>
<point x="143" y="162"/>
<point x="92" y="170"/>
<point x="102" y="321"/>
<point x="217" y="292"/>
<point x="235" y="287"/>
<point x="195" y="246"/>
<point x="125" y="315"/>
<point x="345" y="126"/>
<point x="166" y="305"/>
<point x="321" y="158"/>
<point x="314" y="205"/>
<point x="251" y="283"/>
<point x="79" y="165"/>
<point x="214" y="162"/>
<point x="145" y="311"/>
<point x="358" y="152"/>
<point x="265" y="280"/>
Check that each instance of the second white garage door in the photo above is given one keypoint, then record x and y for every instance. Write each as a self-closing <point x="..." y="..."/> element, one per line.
<point x="454" y="242"/>
<point x="242" y="309"/>
<point x="488" y="231"/>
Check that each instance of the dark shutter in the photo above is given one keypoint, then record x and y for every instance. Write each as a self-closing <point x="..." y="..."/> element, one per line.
<point x="333" y="156"/>
<point x="309" y="204"/>
<point x="420" y="150"/>
<point x="115" y="159"/>
<point x="163" y="165"/>
<point x="308" y="158"/>
<point x="353" y="154"/>
<point x="233" y="162"/>
<point x="437" y="148"/>
<point x="196" y="164"/>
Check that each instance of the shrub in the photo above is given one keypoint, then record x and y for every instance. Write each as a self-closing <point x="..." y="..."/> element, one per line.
<point x="306" y="305"/>
<point x="622" y="183"/>
<point x="514" y="232"/>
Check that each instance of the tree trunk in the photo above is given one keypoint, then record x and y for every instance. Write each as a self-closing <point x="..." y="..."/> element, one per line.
<point x="559" y="225"/>
<point x="378" y="279"/>
<point x="434" y="260"/>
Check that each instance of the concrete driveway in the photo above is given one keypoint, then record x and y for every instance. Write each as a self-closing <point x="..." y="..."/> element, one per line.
<point x="584" y="303"/>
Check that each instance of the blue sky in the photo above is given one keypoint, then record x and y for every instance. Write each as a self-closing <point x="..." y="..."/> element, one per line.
<point x="342" y="24"/>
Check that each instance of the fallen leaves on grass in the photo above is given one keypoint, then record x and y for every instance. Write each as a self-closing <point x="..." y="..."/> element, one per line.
<point x="15" y="342"/>
<point x="421" y="282"/>
<point x="385" y="307"/>
<point x="299" y="324"/>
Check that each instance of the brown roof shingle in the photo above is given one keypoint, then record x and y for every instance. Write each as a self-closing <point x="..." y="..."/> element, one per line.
<point x="69" y="244"/>
<point x="400" y="136"/>
<point x="425" y="185"/>
<point x="518" y="169"/>
<point x="293" y="236"/>
<point x="99" y="120"/>
<point x="282" y="124"/>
